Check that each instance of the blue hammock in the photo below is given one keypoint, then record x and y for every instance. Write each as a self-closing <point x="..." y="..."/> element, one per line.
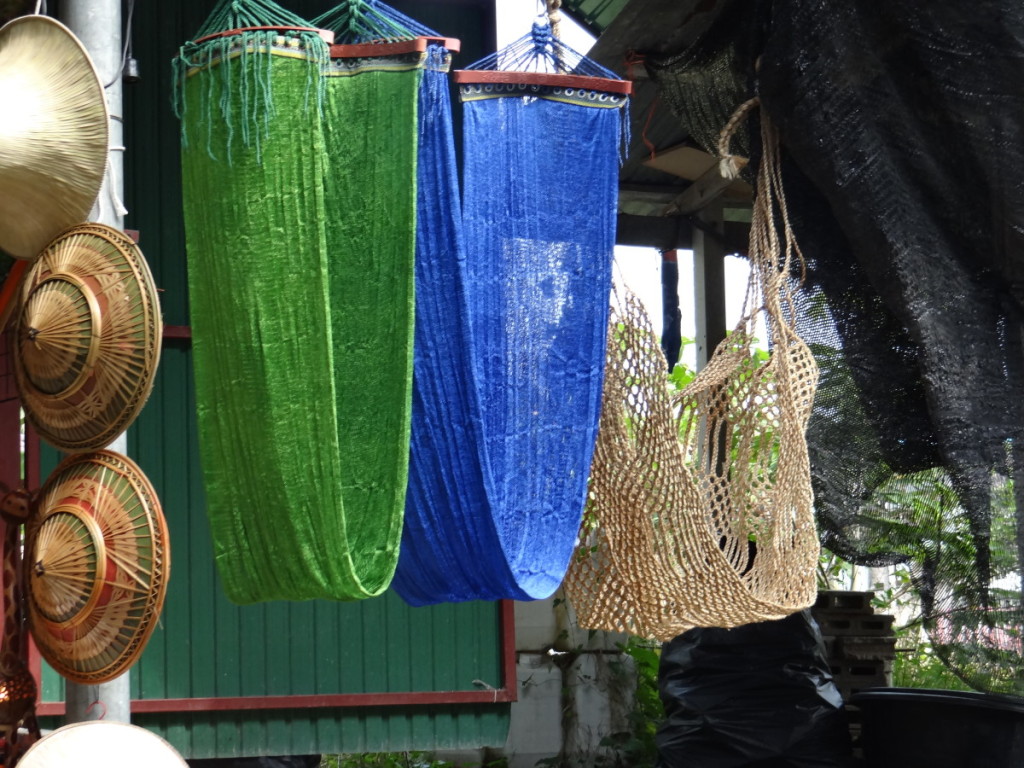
<point x="512" y="305"/>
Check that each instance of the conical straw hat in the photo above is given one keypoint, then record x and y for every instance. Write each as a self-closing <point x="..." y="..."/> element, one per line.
<point x="87" y="337"/>
<point x="97" y="561"/>
<point x="101" y="744"/>
<point x="53" y="133"/>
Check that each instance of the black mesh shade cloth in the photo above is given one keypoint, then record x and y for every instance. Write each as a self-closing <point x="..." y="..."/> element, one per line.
<point x="903" y="130"/>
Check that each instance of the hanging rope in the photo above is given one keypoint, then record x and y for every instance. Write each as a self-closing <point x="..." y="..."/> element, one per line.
<point x="541" y="51"/>
<point x="555" y="18"/>
<point x="359" y="21"/>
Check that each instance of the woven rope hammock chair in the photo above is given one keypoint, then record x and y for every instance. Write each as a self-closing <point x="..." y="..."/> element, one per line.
<point x="700" y="508"/>
<point x="87" y="337"/>
<point x="299" y="194"/>
<point x="511" y="309"/>
<point x="96" y="566"/>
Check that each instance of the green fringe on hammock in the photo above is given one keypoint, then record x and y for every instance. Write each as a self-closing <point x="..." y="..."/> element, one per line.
<point x="242" y="60"/>
<point x="300" y="278"/>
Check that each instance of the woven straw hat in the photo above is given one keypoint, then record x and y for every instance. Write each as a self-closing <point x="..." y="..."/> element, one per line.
<point x="96" y="565"/>
<point x="53" y="133"/>
<point x="101" y="744"/>
<point x="87" y="338"/>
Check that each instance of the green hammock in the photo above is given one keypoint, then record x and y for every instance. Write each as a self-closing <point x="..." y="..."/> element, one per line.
<point x="370" y="200"/>
<point x="300" y="273"/>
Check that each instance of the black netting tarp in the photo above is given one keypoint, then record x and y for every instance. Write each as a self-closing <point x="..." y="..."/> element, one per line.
<point x="903" y="128"/>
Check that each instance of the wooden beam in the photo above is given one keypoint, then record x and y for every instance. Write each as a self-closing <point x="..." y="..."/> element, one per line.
<point x="655" y="27"/>
<point x="708" y="188"/>
<point x="662" y="232"/>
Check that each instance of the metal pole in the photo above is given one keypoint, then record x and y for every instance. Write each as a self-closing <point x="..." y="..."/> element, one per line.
<point x="97" y="23"/>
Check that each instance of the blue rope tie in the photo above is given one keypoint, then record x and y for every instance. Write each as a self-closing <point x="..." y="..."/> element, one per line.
<point x="542" y="40"/>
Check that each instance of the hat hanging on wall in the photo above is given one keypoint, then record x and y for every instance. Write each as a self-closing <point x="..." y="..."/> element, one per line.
<point x="96" y="566"/>
<point x="54" y="133"/>
<point x="87" y="338"/>
<point x="102" y="744"/>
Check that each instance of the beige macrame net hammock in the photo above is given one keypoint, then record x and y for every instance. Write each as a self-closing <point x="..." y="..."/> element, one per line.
<point x="700" y="506"/>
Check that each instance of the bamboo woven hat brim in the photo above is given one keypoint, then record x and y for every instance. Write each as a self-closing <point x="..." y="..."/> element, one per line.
<point x="101" y="744"/>
<point x="53" y="133"/>
<point x="87" y="338"/>
<point x="97" y="561"/>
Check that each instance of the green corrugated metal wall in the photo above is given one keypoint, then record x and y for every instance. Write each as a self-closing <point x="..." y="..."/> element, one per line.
<point x="206" y="647"/>
<point x="596" y="15"/>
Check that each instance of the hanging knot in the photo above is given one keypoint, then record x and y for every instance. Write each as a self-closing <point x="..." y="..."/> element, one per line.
<point x="355" y="13"/>
<point x="542" y="38"/>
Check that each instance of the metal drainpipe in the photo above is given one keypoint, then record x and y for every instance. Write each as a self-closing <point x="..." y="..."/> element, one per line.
<point x="97" y="23"/>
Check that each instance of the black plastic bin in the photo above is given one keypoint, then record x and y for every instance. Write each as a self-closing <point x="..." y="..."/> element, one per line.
<point x="905" y="727"/>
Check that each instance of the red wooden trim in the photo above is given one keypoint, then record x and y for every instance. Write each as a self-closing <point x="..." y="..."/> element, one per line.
<point x="374" y="50"/>
<point x="508" y="692"/>
<point x="481" y="76"/>
<point x="321" y="701"/>
<point x="325" y="34"/>
<point x="371" y="50"/>
<point x="453" y="44"/>
<point x="12" y="283"/>
<point x="177" y="331"/>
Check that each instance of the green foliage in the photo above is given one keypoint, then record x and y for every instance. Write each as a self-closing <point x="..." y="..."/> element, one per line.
<point x="922" y="518"/>
<point x="897" y="595"/>
<point x="637" y="747"/>
<point x="833" y="572"/>
<point x="681" y="374"/>
<point x="917" y="665"/>
<point x="383" y="760"/>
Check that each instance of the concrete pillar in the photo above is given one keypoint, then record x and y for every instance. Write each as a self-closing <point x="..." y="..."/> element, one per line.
<point x="709" y="283"/>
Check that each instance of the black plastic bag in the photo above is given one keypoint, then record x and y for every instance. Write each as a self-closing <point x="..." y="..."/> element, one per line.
<point x="757" y="696"/>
